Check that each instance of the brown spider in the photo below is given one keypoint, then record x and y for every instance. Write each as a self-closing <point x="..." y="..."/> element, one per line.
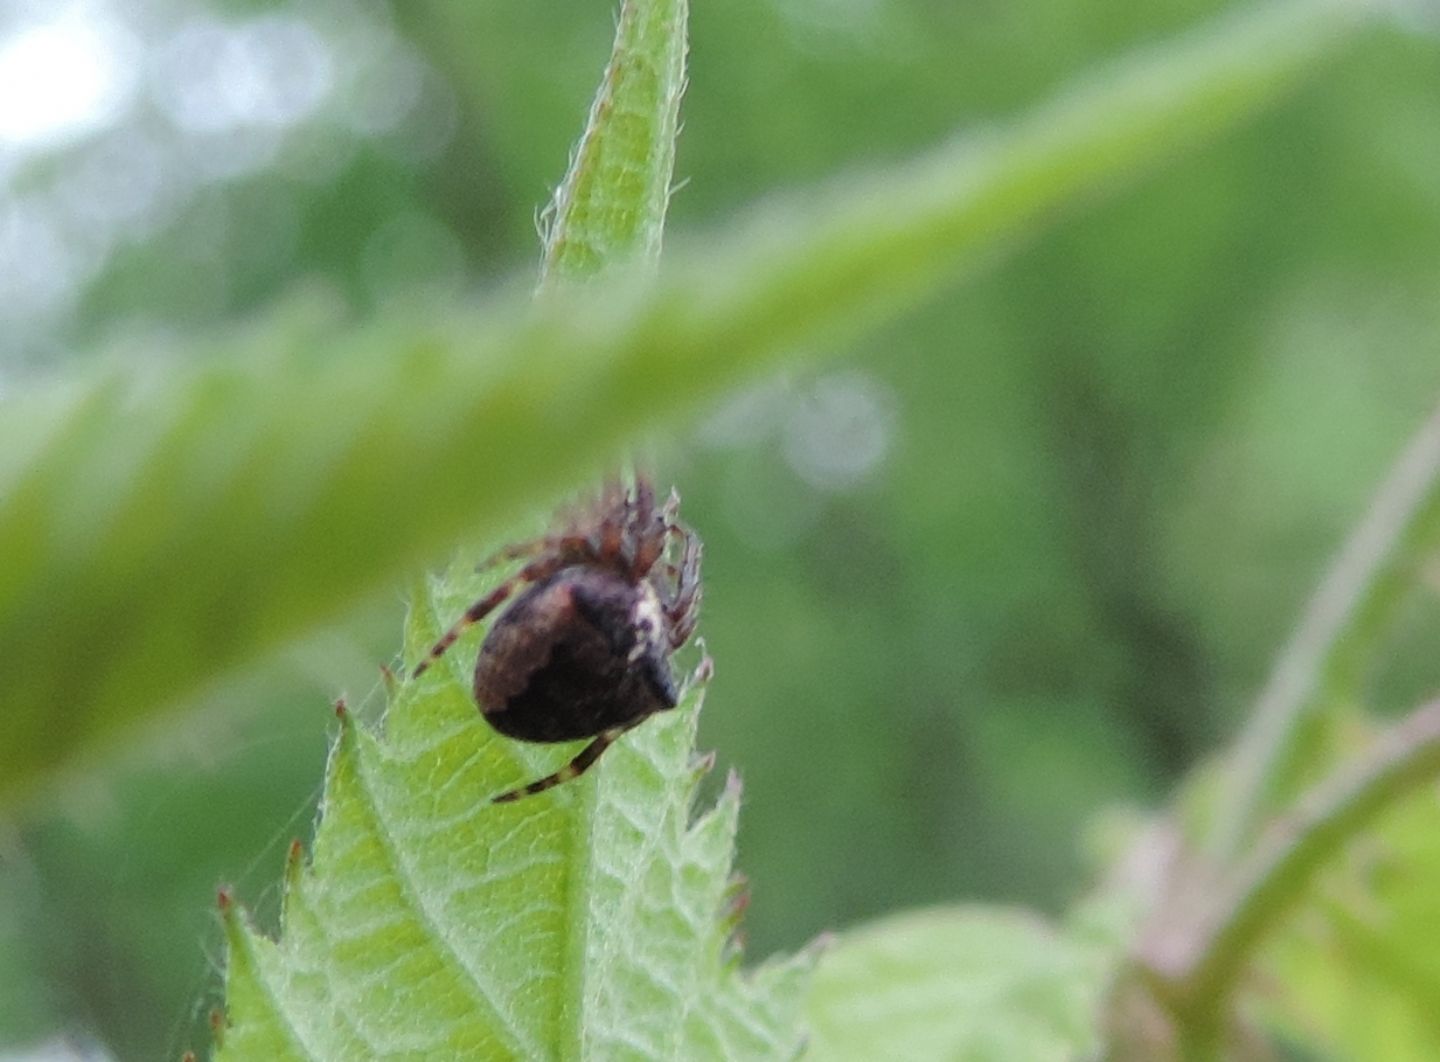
<point x="585" y="651"/>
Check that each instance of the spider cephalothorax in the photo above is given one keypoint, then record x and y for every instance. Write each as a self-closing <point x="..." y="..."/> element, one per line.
<point x="585" y="650"/>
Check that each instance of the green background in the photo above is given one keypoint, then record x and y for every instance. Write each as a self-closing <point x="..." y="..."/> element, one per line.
<point x="1022" y="557"/>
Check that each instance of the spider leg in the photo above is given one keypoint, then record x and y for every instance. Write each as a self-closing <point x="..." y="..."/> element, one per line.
<point x="571" y="545"/>
<point x="673" y="530"/>
<point x="512" y="552"/>
<point x="487" y="604"/>
<point x="610" y="539"/>
<point x="648" y="527"/>
<point x="683" y="610"/>
<point x="644" y="498"/>
<point x="574" y="769"/>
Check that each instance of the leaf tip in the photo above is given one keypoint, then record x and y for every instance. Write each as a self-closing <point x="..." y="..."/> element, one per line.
<point x="822" y="944"/>
<point x="733" y="786"/>
<point x="737" y="901"/>
<point x="702" y="765"/>
<point x="294" y="863"/>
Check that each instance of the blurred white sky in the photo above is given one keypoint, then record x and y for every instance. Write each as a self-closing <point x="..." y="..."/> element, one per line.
<point x="62" y="72"/>
<point x="113" y="115"/>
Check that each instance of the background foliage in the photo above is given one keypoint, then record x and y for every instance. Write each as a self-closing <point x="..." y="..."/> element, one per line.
<point x="1026" y="555"/>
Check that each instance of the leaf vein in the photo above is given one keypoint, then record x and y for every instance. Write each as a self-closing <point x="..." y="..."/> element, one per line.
<point x="416" y="899"/>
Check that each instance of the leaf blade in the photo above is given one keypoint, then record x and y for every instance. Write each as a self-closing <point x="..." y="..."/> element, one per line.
<point x="961" y="982"/>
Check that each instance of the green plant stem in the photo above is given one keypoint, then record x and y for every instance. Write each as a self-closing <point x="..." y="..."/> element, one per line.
<point x="1194" y="970"/>
<point x="1337" y="635"/>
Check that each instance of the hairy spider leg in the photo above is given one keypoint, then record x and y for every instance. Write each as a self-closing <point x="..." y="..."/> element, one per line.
<point x="574" y="769"/>
<point x="513" y="552"/>
<point x="572" y="545"/>
<point x="667" y="519"/>
<point x="651" y="534"/>
<point x="487" y="604"/>
<point x="670" y="510"/>
<point x="673" y="529"/>
<point x="639" y="511"/>
<point x="644" y="498"/>
<point x="610" y="539"/>
<point x="683" y="610"/>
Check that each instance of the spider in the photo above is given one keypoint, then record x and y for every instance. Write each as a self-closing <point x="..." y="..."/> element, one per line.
<point x="585" y="650"/>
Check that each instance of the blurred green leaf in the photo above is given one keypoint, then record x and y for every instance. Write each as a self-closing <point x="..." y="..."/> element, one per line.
<point x="1342" y="898"/>
<point x="27" y="1009"/>
<point x="955" y="983"/>
<point x="1360" y="961"/>
<point x="1199" y="946"/>
<point x="162" y="525"/>
<point x="591" y="921"/>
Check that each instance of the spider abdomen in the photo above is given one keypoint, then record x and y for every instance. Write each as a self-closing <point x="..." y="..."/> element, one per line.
<point x="578" y="653"/>
<point x="614" y="589"/>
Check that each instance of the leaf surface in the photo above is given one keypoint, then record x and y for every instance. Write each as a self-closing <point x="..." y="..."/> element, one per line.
<point x="1359" y="961"/>
<point x="956" y="983"/>
<point x="592" y="921"/>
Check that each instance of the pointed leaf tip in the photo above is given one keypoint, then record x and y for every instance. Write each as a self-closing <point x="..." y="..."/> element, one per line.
<point x="702" y="765"/>
<point x="733" y="786"/>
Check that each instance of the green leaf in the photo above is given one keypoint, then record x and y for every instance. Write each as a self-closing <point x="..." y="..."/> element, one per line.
<point x="611" y="206"/>
<point x="1201" y="941"/>
<point x="161" y="526"/>
<point x="592" y="921"/>
<point x="27" y="1011"/>
<point x="955" y="983"/>
<point x="1359" y="961"/>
